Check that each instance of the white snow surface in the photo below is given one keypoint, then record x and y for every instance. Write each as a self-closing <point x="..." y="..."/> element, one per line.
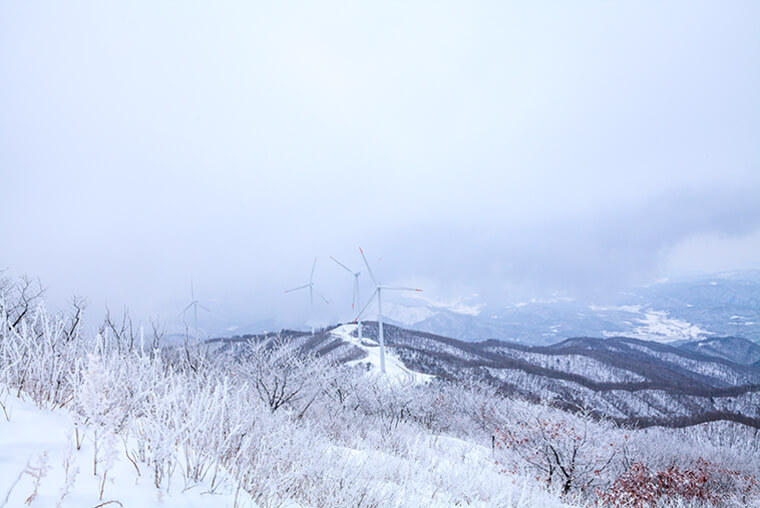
<point x="34" y="437"/>
<point x="659" y="327"/>
<point x="655" y="325"/>
<point x="396" y="371"/>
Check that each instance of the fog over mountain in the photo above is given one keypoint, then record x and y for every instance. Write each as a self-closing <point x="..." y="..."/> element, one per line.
<point x="690" y="309"/>
<point x="505" y="151"/>
<point x="546" y="215"/>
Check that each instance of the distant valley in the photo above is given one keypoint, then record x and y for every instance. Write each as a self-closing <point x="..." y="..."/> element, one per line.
<point x="690" y="309"/>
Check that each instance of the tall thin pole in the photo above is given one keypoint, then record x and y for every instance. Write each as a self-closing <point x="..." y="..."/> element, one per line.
<point x="311" y="307"/>
<point x="380" y="328"/>
<point x="195" y="307"/>
<point x="356" y="285"/>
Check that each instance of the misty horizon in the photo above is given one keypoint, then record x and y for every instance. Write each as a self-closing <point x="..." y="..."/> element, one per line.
<point x="488" y="154"/>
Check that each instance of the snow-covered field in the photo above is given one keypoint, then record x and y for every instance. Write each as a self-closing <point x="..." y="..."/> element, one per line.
<point x="654" y="325"/>
<point x="40" y="466"/>
<point x="659" y="327"/>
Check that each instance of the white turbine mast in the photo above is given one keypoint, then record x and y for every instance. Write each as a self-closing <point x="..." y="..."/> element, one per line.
<point x="355" y="298"/>
<point x="379" y="293"/>
<point x="310" y="285"/>
<point x="194" y="304"/>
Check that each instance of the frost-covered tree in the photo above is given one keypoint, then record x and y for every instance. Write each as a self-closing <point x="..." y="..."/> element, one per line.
<point x="101" y="414"/>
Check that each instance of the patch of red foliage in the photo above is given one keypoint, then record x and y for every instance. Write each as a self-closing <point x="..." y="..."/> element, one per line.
<point x="640" y="487"/>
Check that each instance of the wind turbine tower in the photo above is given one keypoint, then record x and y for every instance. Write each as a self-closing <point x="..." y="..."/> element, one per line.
<point x="194" y="304"/>
<point x="310" y="285"/>
<point x="355" y="299"/>
<point x="379" y="293"/>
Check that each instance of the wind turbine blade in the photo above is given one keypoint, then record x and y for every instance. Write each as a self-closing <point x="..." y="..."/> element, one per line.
<point x="341" y="264"/>
<point x="402" y="288"/>
<point x="204" y="308"/>
<point x="311" y="277"/>
<point x="296" y="289"/>
<point x="365" y="306"/>
<point x="322" y="296"/>
<point x="365" y="267"/>
<point x="190" y="305"/>
<point x="368" y="268"/>
<point x="353" y="297"/>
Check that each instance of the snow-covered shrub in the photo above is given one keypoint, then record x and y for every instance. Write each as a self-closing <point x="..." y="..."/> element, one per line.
<point x="282" y="376"/>
<point x="706" y="483"/>
<point x="70" y="472"/>
<point x="102" y="413"/>
<point x="38" y="356"/>
<point x="569" y="451"/>
<point x="37" y="471"/>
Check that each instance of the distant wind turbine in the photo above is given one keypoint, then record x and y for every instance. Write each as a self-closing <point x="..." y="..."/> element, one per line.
<point x="310" y="285"/>
<point x="379" y="293"/>
<point x="355" y="299"/>
<point x="195" y="304"/>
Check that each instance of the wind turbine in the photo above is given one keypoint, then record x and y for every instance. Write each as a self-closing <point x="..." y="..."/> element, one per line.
<point x="355" y="299"/>
<point x="310" y="285"/>
<point x="379" y="293"/>
<point x="195" y="304"/>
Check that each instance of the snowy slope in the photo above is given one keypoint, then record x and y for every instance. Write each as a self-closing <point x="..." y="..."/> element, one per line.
<point x="734" y="349"/>
<point x="394" y="368"/>
<point x="437" y="471"/>
<point x="34" y="447"/>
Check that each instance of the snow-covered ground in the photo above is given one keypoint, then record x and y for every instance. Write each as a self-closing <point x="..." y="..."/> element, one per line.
<point x="660" y="327"/>
<point x="41" y="467"/>
<point x="654" y="325"/>
<point x="395" y="370"/>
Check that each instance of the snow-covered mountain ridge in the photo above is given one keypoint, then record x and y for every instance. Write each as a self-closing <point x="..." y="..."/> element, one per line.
<point x="630" y="380"/>
<point x="690" y="309"/>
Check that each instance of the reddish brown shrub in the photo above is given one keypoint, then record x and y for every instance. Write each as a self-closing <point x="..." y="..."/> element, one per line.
<point x="641" y="487"/>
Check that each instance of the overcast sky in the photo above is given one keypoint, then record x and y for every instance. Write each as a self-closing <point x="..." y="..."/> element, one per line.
<point x="490" y="148"/>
